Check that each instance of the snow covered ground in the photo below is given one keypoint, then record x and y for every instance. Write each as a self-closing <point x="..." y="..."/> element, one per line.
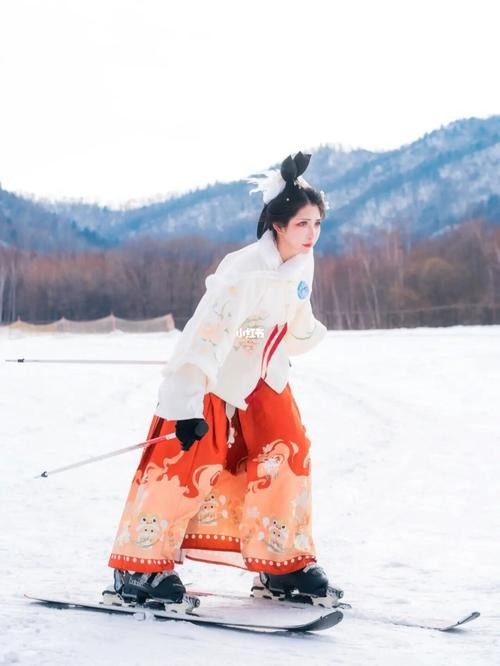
<point x="405" y="427"/>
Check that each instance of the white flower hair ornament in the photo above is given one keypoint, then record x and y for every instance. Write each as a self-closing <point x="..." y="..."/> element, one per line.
<point x="272" y="182"/>
<point x="269" y="182"/>
<point x="326" y="203"/>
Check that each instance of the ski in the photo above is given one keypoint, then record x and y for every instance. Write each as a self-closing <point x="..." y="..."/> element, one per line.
<point x="437" y="627"/>
<point x="302" y="621"/>
<point x="316" y="618"/>
<point x="445" y="626"/>
<point x="290" y="602"/>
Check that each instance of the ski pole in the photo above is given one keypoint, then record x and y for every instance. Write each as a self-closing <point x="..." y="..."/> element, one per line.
<point x="80" y="360"/>
<point x="200" y="430"/>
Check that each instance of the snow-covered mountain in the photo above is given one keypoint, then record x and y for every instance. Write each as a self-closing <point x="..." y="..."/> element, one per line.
<point x="27" y="225"/>
<point x="442" y="179"/>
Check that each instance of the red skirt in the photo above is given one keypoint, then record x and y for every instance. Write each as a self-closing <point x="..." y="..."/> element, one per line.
<point x="241" y="496"/>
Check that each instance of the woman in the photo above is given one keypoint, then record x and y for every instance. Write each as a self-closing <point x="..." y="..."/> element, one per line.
<point x="233" y="487"/>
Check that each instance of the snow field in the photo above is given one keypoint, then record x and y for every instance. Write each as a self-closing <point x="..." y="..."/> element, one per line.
<point x="406" y="435"/>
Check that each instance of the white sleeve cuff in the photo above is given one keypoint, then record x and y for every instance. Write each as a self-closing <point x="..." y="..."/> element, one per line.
<point x="181" y="394"/>
<point x="304" y="332"/>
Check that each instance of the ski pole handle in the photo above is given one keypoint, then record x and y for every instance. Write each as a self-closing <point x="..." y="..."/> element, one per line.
<point x="88" y="461"/>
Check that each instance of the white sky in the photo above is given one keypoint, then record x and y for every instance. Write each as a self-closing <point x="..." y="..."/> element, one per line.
<point x="115" y="100"/>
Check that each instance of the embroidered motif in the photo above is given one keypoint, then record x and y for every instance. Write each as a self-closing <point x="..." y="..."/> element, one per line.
<point x="211" y="510"/>
<point x="275" y="534"/>
<point x="213" y="331"/>
<point x="270" y="462"/>
<point x="301" y="541"/>
<point x="302" y="290"/>
<point x="216" y="507"/>
<point x="301" y="514"/>
<point x="149" y="528"/>
<point x="305" y="337"/>
<point x="124" y="536"/>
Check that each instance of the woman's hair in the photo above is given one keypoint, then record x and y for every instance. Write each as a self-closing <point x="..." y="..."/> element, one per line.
<point x="294" y="196"/>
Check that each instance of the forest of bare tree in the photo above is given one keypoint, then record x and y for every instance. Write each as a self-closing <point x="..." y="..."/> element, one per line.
<point x="390" y="280"/>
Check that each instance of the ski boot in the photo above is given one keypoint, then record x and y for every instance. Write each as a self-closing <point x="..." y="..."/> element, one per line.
<point x="159" y="590"/>
<point x="308" y="586"/>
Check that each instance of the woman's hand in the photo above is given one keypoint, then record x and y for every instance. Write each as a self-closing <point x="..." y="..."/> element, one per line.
<point x="188" y="431"/>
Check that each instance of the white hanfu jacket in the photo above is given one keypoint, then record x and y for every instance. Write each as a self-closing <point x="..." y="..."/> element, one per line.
<point x="255" y="312"/>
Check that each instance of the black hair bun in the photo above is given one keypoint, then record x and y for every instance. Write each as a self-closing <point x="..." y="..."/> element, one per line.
<point x="293" y="167"/>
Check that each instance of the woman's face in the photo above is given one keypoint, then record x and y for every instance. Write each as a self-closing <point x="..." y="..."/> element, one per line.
<point x="301" y="233"/>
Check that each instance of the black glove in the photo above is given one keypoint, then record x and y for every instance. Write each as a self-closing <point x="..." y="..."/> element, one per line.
<point x="188" y="431"/>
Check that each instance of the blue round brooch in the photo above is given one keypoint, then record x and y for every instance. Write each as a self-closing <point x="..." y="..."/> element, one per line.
<point x="302" y="289"/>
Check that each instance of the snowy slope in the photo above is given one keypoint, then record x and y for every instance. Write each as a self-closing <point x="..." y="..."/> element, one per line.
<point x="406" y="436"/>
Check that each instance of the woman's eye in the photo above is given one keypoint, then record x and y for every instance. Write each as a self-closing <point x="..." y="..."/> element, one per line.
<point x="318" y="223"/>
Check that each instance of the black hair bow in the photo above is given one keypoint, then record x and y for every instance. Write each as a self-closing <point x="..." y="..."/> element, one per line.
<point x="293" y="167"/>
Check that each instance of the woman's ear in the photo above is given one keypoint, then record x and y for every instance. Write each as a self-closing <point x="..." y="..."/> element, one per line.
<point x="277" y="228"/>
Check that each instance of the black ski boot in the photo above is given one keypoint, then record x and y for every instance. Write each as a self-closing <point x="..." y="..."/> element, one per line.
<point x="156" y="590"/>
<point x="308" y="585"/>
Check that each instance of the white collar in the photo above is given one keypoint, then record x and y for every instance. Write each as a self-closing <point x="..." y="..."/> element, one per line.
<point x="298" y="266"/>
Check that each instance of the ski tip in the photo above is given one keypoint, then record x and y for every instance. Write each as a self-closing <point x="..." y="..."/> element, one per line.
<point x="324" y="622"/>
<point x="457" y="625"/>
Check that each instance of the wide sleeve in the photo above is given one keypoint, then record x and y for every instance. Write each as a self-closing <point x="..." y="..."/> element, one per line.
<point x="203" y="346"/>
<point x="181" y="393"/>
<point x="304" y="331"/>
